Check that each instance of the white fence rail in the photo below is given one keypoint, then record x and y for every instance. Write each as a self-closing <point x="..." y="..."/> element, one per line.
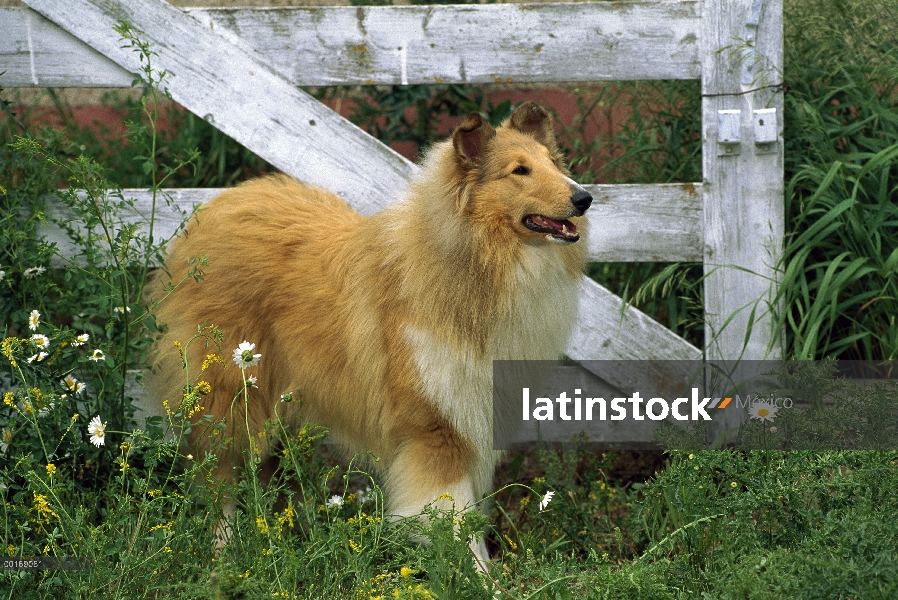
<point x="400" y="44"/>
<point x="637" y="223"/>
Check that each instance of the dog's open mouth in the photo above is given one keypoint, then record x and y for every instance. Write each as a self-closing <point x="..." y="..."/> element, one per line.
<point x="564" y="230"/>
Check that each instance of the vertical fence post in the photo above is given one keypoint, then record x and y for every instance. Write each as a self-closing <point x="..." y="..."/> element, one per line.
<point x="742" y="156"/>
<point x="742" y="121"/>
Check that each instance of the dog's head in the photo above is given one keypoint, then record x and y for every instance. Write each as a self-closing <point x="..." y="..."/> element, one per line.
<point x="513" y="176"/>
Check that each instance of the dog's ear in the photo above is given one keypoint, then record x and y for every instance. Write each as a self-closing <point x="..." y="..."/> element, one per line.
<point x="532" y="119"/>
<point x="470" y="139"/>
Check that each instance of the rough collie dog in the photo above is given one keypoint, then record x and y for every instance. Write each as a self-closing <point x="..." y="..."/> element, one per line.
<point x="386" y="326"/>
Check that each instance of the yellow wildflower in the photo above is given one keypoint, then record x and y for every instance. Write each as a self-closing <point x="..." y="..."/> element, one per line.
<point x="167" y="526"/>
<point x="210" y="359"/>
<point x="262" y="524"/>
<point x="43" y="507"/>
<point x="287" y="517"/>
<point x="51" y="468"/>
<point x="9" y="346"/>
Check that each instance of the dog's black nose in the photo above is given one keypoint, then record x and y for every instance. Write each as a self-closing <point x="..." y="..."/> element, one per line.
<point x="581" y="199"/>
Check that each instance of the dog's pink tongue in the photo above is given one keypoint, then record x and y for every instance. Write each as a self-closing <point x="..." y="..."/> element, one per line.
<point x="564" y="227"/>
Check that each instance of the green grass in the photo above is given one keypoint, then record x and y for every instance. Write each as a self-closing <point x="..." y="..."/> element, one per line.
<point x="712" y="524"/>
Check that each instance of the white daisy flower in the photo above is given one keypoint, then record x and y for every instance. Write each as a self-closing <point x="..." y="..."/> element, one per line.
<point x="40" y="340"/>
<point x="32" y="272"/>
<point x="244" y="356"/>
<point x="97" y="355"/>
<point x="79" y="387"/>
<point x="251" y="381"/>
<point x="335" y="501"/>
<point x="70" y="382"/>
<point x="546" y="499"/>
<point x="762" y="410"/>
<point x="5" y="439"/>
<point x="38" y="357"/>
<point x="34" y="319"/>
<point x="122" y="309"/>
<point x="81" y="339"/>
<point x="97" y="430"/>
<point x="2" y="275"/>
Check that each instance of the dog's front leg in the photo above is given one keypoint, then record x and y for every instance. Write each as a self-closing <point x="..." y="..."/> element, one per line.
<point x="434" y="469"/>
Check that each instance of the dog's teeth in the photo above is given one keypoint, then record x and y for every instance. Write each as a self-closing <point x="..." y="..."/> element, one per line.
<point x="563" y="228"/>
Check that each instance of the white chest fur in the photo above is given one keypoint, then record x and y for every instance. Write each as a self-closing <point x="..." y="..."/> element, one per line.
<point x="459" y="382"/>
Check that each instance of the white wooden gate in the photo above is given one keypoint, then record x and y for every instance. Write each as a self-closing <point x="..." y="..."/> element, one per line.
<point x="240" y="69"/>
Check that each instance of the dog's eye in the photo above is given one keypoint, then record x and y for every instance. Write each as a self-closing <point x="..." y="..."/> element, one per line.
<point x="521" y="170"/>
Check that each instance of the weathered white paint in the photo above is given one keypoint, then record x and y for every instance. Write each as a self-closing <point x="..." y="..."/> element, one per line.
<point x="212" y="77"/>
<point x="627" y="223"/>
<point x="173" y="206"/>
<point x="743" y="194"/>
<point x="36" y="52"/>
<point x="474" y="43"/>
<point x="609" y="330"/>
<point x="340" y="45"/>
<point x="645" y="223"/>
